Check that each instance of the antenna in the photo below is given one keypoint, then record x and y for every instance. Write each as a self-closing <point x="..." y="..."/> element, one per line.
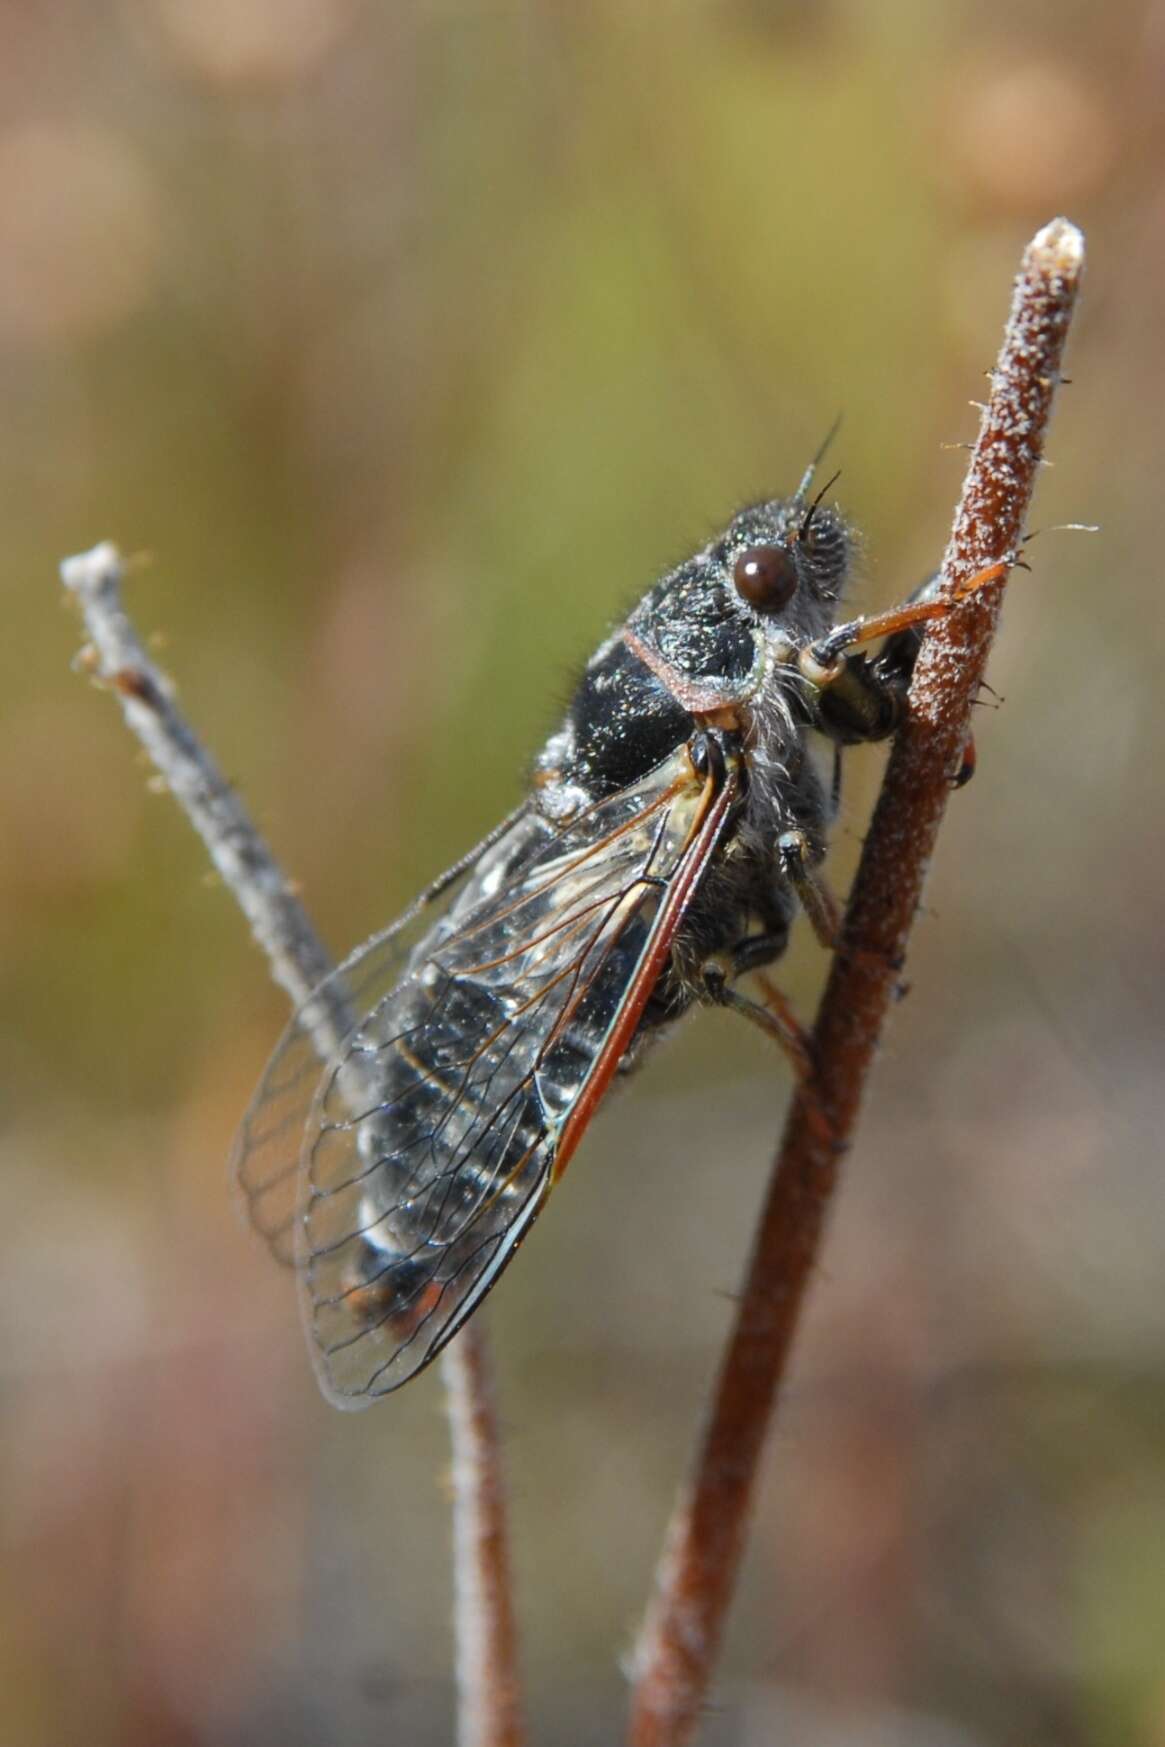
<point x="807" y="480"/>
<point x="815" y="505"/>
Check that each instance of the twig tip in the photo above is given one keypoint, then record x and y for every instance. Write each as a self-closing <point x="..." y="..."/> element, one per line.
<point x="1059" y="248"/>
<point x="100" y="567"/>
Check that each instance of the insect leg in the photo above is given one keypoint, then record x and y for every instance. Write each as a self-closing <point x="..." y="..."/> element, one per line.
<point x="893" y="668"/>
<point x="862" y="699"/>
<point x="757" y="950"/>
<point x="865" y="699"/>
<point x="927" y="604"/>
<point x="774" y="1015"/>
<point x="816" y="899"/>
<point x="856" y="700"/>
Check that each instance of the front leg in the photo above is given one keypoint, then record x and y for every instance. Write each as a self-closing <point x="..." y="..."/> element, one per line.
<point x="863" y="699"/>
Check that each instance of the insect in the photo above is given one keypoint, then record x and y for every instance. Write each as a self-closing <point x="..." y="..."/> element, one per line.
<point x="420" y="1108"/>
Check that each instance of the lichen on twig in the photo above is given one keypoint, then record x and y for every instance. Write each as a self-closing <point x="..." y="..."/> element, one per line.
<point x="680" y="1639"/>
<point x="489" y="1706"/>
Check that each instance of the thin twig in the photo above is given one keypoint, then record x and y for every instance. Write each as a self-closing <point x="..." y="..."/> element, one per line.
<point x="489" y="1710"/>
<point x="681" y="1634"/>
<point x="487" y="1637"/>
<point x="116" y="656"/>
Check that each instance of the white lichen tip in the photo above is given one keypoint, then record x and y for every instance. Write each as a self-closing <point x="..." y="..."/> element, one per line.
<point x="88" y="570"/>
<point x="1060" y="245"/>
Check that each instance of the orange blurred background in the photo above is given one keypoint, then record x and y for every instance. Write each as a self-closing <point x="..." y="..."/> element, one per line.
<point x="412" y="342"/>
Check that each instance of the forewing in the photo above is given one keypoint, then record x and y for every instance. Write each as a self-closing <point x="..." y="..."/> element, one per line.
<point x="428" y="1146"/>
<point x="265" y="1160"/>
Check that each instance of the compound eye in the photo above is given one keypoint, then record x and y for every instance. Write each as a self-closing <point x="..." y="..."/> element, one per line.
<point x="766" y="577"/>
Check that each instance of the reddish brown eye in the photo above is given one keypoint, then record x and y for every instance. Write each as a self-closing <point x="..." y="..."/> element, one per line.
<point x="766" y="577"/>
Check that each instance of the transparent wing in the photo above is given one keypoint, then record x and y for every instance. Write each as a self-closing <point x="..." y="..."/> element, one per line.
<point x="405" y="1173"/>
<point x="265" y="1159"/>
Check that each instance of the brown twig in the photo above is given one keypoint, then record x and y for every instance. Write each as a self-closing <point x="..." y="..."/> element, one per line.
<point x="681" y="1635"/>
<point x="490" y="1706"/>
<point x="489" y="1712"/>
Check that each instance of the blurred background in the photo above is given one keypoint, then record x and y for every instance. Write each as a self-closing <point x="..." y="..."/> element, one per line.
<point x="412" y="342"/>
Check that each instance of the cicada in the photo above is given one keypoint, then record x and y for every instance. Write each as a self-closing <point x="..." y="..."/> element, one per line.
<point x="420" y="1108"/>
